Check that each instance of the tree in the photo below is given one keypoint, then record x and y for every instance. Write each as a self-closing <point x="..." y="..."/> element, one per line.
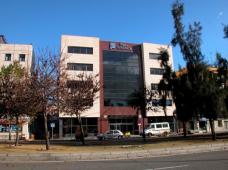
<point x="82" y="91"/>
<point x="225" y="31"/>
<point x="15" y="94"/>
<point x="48" y="82"/>
<point x="204" y="87"/>
<point x="177" y="87"/>
<point x="142" y="101"/>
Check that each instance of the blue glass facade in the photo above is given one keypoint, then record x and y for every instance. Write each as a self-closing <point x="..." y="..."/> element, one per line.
<point x="122" y="75"/>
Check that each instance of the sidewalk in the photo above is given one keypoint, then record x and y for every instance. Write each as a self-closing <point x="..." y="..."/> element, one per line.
<point x="133" y="154"/>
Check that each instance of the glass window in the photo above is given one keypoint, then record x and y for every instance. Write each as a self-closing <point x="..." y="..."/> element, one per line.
<point x="80" y="66"/>
<point x="121" y="76"/>
<point x="158" y="126"/>
<point x="220" y="124"/>
<point x="157" y="71"/>
<point x="152" y="126"/>
<point x="169" y="102"/>
<point x="80" y="50"/>
<point x="154" y="86"/>
<point x="22" y="57"/>
<point x="164" y="125"/>
<point x="7" y="57"/>
<point x="154" y="56"/>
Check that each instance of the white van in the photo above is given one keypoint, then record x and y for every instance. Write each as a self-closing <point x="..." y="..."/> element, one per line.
<point x="161" y="128"/>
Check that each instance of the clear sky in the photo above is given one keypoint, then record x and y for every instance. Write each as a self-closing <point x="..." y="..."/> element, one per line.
<point x="42" y="22"/>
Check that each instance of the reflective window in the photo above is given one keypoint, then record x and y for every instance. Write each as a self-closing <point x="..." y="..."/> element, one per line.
<point x="121" y="76"/>
<point x="157" y="102"/>
<point x="154" y="56"/>
<point x="157" y="71"/>
<point x="154" y="86"/>
<point x="80" y="50"/>
<point x="80" y="66"/>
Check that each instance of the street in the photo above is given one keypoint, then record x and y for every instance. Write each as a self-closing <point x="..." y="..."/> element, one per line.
<point x="207" y="161"/>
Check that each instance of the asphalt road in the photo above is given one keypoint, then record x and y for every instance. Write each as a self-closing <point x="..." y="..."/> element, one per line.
<point x="204" y="161"/>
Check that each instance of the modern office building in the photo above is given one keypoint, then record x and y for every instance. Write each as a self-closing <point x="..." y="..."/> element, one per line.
<point x="122" y="68"/>
<point x="24" y="55"/>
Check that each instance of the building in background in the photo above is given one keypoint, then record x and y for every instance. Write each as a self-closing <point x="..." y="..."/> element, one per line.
<point x="24" y="55"/>
<point x="123" y="68"/>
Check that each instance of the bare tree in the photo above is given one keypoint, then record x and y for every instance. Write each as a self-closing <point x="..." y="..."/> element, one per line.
<point x="48" y="72"/>
<point x="82" y="91"/>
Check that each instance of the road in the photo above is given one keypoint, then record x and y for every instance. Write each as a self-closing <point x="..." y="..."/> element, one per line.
<point x="205" y="161"/>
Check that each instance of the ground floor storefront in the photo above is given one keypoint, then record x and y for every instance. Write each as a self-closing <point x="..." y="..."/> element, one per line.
<point x="8" y="129"/>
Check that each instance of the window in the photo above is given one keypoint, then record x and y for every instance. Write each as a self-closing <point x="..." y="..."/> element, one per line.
<point x="157" y="71"/>
<point x="169" y="102"/>
<point x="80" y="66"/>
<point x="154" y="86"/>
<point x="152" y="126"/>
<point x="21" y="57"/>
<point x="80" y="50"/>
<point x="121" y="76"/>
<point x="158" y="126"/>
<point x="7" y="57"/>
<point x="158" y="102"/>
<point x="154" y="56"/>
<point x="220" y="123"/>
<point x="164" y="125"/>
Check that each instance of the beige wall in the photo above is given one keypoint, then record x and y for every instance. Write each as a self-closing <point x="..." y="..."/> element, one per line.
<point x="68" y="40"/>
<point x="149" y="78"/>
<point x="15" y="50"/>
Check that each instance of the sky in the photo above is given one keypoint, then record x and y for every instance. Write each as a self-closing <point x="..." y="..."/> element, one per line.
<point x="42" y="22"/>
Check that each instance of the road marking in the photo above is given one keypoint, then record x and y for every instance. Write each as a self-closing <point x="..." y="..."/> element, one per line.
<point x="169" y="167"/>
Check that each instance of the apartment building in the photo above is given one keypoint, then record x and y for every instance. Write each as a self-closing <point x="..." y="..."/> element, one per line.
<point x="23" y="53"/>
<point x="122" y="68"/>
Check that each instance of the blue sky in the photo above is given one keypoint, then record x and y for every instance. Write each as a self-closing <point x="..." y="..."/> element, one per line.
<point x="42" y="22"/>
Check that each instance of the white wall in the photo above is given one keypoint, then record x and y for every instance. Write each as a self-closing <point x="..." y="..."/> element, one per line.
<point x="68" y="40"/>
<point x="149" y="78"/>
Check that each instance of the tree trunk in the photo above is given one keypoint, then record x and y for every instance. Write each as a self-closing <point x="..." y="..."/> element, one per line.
<point x="213" y="135"/>
<point x="144" y="135"/>
<point x="46" y="132"/>
<point x="184" y="129"/>
<point x="17" y="131"/>
<point x="81" y="131"/>
<point x="10" y="136"/>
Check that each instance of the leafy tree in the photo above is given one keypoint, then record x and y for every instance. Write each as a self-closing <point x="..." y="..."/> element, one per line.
<point x="15" y="94"/>
<point x="203" y="84"/>
<point x="142" y="101"/>
<point x="82" y="91"/>
<point x="225" y="31"/>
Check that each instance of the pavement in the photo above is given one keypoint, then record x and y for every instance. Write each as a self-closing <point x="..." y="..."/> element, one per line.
<point x="114" y="155"/>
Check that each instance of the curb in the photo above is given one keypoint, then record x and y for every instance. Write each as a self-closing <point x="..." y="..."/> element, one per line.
<point x="68" y="157"/>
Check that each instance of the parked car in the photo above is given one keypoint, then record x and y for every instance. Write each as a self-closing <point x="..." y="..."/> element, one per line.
<point x="158" y="129"/>
<point x="111" y="134"/>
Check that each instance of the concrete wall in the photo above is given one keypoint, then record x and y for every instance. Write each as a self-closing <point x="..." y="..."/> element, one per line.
<point x="15" y="50"/>
<point x="68" y="40"/>
<point x="148" y="63"/>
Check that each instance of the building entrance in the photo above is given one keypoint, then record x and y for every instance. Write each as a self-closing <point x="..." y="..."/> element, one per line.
<point x="124" y="124"/>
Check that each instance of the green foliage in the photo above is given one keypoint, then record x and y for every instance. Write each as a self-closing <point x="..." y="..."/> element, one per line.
<point x="198" y="91"/>
<point x="225" y="31"/>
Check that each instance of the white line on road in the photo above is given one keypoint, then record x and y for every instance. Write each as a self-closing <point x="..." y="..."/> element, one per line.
<point x="169" y="167"/>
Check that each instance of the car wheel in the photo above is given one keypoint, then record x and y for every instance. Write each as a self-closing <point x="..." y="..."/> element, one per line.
<point x="120" y="137"/>
<point x="149" y="134"/>
<point x="165" y="134"/>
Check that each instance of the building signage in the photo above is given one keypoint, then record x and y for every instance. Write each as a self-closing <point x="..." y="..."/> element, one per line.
<point x="119" y="46"/>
